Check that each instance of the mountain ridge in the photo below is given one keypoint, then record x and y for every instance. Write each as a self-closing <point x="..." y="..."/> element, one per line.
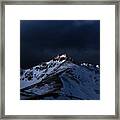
<point x="64" y="71"/>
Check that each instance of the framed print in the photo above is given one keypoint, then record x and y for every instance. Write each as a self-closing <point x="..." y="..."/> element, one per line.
<point x="60" y="59"/>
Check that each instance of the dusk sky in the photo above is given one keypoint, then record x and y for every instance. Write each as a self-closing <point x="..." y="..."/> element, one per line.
<point x="41" y="40"/>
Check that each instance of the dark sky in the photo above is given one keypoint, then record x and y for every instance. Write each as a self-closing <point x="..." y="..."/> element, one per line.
<point x="41" y="40"/>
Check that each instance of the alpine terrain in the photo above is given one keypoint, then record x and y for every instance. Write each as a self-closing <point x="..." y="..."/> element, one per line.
<point x="60" y="79"/>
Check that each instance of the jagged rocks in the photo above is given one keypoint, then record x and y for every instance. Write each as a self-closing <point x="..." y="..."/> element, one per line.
<point x="60" y="78"/>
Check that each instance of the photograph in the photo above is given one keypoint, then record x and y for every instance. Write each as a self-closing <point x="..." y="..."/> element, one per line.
<point x="59" y="59"/>
<point x="60" y="54"/>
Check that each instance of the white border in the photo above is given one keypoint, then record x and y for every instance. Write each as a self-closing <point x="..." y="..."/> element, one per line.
<point x="104" y="13"/>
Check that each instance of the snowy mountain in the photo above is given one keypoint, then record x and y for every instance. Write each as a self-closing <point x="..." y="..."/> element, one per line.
<point x="60" y="79"/>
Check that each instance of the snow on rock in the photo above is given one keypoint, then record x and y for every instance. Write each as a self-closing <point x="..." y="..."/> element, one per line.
<point x="39" y="72"/>
<point x="80" y="83"/>
<point x="60" y="74"/>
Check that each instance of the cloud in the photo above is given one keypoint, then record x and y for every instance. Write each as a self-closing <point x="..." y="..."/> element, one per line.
<point x="41" y="40"/>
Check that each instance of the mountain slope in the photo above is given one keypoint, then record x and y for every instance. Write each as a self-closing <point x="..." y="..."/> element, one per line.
<point x="61" y="79"/>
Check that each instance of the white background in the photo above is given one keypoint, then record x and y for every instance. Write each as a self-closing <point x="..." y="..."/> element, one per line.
<point x="106" y="15"/>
